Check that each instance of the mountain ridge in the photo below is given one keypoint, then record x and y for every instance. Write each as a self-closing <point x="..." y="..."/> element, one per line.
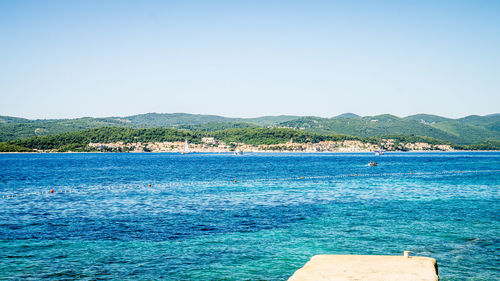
<point x="466" y="130"/>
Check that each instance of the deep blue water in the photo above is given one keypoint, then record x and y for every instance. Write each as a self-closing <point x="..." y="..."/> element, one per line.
<point x="196" y="223"/>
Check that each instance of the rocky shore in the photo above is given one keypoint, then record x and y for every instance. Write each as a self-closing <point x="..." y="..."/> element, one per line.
<point x="212" y="145"/>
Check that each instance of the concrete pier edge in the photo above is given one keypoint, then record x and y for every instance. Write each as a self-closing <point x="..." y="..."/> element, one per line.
<point x="367" y="267"/>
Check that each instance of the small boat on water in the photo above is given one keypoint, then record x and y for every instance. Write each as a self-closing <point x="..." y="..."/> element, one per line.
<point x="379" y="152"/>
<point x="186" y="148"/>
<point x="238" y="152"/>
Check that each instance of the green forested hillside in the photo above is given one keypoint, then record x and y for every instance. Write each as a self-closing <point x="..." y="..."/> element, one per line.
<point x="30" y="128"/>
<point x="12" y="128"/>
<point x="78" y="141"/>
<point x="106" y="134"/>
<point x="471" y="129"/>
<point x="269" y="120"/>
<point x="347" y="115"/>
<point x="9" y="147"/>
<point x="485" y="145"/>
<point x="489" y="122"/>
<point x="467" y="130"/>
<point x="218" y="126"/>
<point x="12" y="120"/>
<point x="253" y="136"/>
<point x="175" y="119"/>
<point x="468" y="133"/>
<point x="256" y="136"/>
<point x="371" y="127"/>
<point x="427" y="118"/>
<point x="172" y="119"/>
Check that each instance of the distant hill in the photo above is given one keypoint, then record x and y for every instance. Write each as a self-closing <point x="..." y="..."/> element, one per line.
<point x="269" y="120"/>
<point x="427" y="118"/>
<point x="24" y="128"/>
<point x="79" y="140"/>
<point x="12" y="128"/>
<point x="370" y="127"/>
<point x="347" y="115"/>
<point x="253" y="136"/>
<point x="218" y="126"/>
<point x="12" y="120"/>
<point x="467" y="130"/>
<point x="150" y="120"/>
<point x="471" y="129"/>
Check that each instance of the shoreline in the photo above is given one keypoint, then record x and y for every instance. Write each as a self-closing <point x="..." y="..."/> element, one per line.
<point x="249" y="152"/>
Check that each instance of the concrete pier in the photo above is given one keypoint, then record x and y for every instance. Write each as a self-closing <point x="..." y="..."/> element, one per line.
<point x="370" y="268"/>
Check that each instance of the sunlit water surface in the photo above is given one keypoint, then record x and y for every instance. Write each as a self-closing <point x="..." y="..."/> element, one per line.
<point x="196" y="223"/>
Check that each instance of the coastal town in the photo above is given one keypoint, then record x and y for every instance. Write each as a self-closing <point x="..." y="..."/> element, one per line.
<point x="215" y="146"/>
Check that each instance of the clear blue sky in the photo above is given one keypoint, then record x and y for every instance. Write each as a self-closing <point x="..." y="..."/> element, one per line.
<point x="249" y="58"/>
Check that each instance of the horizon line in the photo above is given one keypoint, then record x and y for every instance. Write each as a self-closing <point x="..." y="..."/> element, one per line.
<point x="259" y="116"/>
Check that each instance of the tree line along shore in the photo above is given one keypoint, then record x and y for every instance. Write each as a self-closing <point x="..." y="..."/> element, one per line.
<point x="119" y="139"/>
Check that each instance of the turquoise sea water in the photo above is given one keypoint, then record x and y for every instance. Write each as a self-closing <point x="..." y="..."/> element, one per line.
<point x="196" y="223"/>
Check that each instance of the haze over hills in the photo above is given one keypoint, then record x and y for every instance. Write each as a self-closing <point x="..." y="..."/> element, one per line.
<point x="467" y="130"/>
